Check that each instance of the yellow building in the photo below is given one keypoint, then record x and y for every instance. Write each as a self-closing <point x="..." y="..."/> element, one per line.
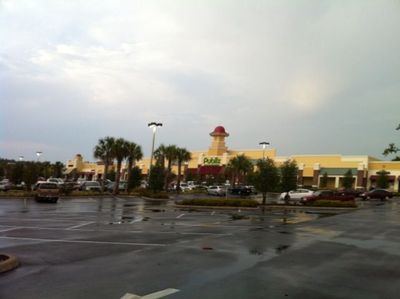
<point x="212" y="162"/>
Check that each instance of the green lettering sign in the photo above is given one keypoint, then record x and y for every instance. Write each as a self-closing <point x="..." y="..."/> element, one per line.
<point x="212" y="161"/>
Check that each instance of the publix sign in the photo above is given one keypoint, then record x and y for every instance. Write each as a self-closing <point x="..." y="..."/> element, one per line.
<point x="212" y="161"/>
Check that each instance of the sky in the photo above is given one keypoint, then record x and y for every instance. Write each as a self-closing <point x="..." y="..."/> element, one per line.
<point x="310" y="77"/>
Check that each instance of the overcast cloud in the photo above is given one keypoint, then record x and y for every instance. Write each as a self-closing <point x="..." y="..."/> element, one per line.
<point x="311" y="77"/>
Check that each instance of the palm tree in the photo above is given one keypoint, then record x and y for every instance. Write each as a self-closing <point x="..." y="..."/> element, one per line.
<point x="134" y="153"/>
<point x="170" y="155"/>
<point x="159" y="155"/>
<point x="104" y="151"/>
<point x="182" y="155"/>
<point x="240" y="166"/>
<point x="120" y="152"/>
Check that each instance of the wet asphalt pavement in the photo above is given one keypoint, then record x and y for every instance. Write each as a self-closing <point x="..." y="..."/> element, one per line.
<point x="108" y="247"/>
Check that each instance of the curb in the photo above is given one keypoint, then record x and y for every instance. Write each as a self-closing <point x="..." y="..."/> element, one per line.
<point x="10" y="262"/>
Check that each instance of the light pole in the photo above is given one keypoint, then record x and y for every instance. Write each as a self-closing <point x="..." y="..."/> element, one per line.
<point x="153" y="125"/>
<point x="38" y="154"/>
<point x="264" y="145"/>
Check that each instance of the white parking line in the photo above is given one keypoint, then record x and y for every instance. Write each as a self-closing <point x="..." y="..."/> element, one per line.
<point x="8" y="229"/>
<point x="80" y="225"/>
<point x="84" y="242"/>
<point x="181" y="215"/>
<point x="155" y="295"/>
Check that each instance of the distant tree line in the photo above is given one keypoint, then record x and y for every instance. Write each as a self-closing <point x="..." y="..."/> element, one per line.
<point x="29" y="172"/>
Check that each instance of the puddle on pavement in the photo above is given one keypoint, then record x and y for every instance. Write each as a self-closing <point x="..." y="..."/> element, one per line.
<point x="281" y="248"/>
<point x="129" y="220"/>
<point x="285" y="233"/>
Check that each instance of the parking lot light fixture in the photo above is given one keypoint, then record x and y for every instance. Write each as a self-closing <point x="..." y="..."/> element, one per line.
<point x="38" y="154"/>
<point x="264" y="145"/>
<point x="21" y="158"/>
<point x="153" y="126"/>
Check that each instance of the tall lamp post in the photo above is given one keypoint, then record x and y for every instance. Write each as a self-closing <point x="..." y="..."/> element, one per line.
<point x="38" y="154"/>
<point x="264" y="145"/>
<point x="153" y="126"/>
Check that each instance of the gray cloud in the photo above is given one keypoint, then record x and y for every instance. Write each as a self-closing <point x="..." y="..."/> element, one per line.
<point x="309" y="76"/>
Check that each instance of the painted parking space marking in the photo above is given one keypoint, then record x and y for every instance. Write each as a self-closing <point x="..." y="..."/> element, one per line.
<point x="80" y="225"/>
<point x="84" y="241"/>
<point x="155" y="295"/>
<point x="180" y="216"/>
<point x="8" y="229"/>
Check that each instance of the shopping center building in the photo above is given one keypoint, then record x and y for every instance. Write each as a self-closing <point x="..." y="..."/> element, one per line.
<point x="213" y="161"/>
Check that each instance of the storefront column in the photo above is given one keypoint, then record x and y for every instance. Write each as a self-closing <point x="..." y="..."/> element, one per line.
<point x="337" y="182"/>
<point x="317" y="170"/>
<point x="300" y="175"/>
<point x="361" y="182"/>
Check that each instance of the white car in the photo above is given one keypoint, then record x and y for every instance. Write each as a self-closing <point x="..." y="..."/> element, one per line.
<point x="57" y="181"/>
<point x="216" y="190"/>
<point x="296" y="195"/>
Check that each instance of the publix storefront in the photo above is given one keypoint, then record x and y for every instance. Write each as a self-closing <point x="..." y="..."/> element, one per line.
<point x="213" y="161"/>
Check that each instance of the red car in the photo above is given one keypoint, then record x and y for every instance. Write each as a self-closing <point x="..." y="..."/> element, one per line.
<point x="381" y="194"/>
<point x="327" y="195"/>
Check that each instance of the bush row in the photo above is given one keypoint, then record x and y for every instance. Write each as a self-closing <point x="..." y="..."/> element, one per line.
<point x="230" y="202"/>
<point x="151" y="194"/>
<point x="334" y="203"/>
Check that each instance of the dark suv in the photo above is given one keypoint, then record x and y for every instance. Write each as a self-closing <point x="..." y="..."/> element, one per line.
<point x="381" y="194"/>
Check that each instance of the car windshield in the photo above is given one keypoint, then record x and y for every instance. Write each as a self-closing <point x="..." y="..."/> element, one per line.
<point x="48" y="186"/>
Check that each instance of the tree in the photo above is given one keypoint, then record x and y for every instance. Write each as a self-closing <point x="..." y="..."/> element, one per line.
<point x="289" y="171"/>
<point x="348" y="179"/>
<point x="170" y="152"/>
<point x="119" y="152"/>
<point x="240" y="166"/>
<point x="159" y="155"/>
<point x="104" y="151"/>
<point x="383" y="179"/>
<point x="134" y="153"/>
<point x="324" y="180"/>
<point x="134" y="178"/>
<point x="266" y="177"/>
<point x="392" y="149"/>
<point x="156" y="178"/>
<point x="182" y="155"/>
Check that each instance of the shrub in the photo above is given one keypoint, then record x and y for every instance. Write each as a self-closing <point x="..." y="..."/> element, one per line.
<point x="230" y="202"/>
<point x="334" y="203"/>
<point x="151" y="194"/>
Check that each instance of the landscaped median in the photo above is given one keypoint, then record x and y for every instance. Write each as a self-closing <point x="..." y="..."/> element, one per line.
<point x="7" y="262"/>
<point x="333" y="204"/>
<point x="219" y="202"/>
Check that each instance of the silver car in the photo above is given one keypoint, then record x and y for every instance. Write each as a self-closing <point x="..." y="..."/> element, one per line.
<point x="216" y="190"/>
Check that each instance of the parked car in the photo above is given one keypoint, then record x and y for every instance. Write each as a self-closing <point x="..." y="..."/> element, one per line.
<point x="216" y="190"/>
<point x="355" y="193"/>
<point x="58" y="181"/>
<point x="183" y="187"/>
<point x="5" y="185"/>
<point x="296" y="195"/>
<point x="381" y="194"/>
<point x="46" y="191"/>
<point x="240" y="190"/>
<point x="121" y="186"/>
<point x="90" y="186"/>
<point x="327" y="195"/>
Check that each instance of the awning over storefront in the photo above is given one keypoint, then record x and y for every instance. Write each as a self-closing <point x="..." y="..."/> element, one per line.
<point x="391" y="178"/>
<point x="210" y="170"/>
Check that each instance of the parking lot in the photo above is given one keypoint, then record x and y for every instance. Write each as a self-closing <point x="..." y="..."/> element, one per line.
<point x="116" y="247"/>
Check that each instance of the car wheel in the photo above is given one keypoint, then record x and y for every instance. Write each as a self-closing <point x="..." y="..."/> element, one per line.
<point x="368" y="197"/>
